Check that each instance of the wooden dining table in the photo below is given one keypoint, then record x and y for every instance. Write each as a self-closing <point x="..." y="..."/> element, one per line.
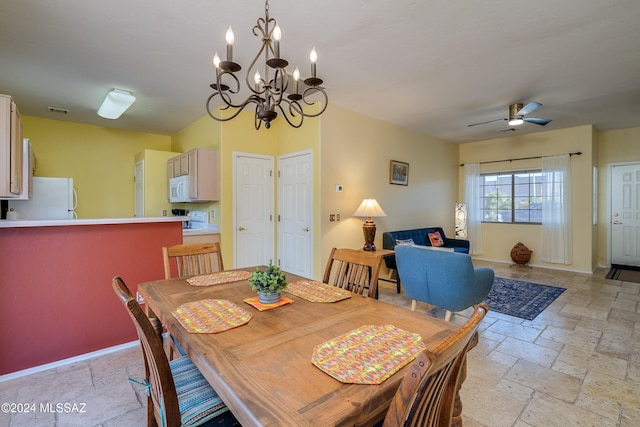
<point x="263" y="370"/>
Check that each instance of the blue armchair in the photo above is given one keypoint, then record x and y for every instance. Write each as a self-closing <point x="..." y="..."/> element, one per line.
<point x="445" y="279"/>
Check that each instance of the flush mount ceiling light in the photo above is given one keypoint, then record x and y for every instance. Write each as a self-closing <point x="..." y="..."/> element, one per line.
<point x="267" y="91"/>
<point x="115" y="103"/>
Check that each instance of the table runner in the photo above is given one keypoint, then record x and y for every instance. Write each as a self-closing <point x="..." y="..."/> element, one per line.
<point x="367" y="355"/>
<point x="317" y="291"/>
<point x="211" y="316"/>
<point x="218" y="278"/>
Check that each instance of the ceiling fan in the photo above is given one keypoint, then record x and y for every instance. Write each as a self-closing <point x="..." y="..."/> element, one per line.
<point x="517" y="113"/>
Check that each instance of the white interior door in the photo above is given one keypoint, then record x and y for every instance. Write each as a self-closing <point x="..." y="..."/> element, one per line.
<point x="625" y="214"/>
<point x="295" y="213"/>
<point x="138" y="178"/>
<point x="253" y="210"/>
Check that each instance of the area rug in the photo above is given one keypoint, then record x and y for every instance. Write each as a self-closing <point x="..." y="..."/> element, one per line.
<point x="520" y="299"/>
<point x="626" y="274"/>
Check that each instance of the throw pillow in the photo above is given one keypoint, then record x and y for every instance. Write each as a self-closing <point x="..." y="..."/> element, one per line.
<point x="436" y="239"/>
<point x="404" y="242"/>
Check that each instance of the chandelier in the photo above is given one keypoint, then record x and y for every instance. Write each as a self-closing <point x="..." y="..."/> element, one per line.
<point x="269" y="91"/>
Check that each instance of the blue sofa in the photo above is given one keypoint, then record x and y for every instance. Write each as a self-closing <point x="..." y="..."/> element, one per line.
<point x="420" y="236"/>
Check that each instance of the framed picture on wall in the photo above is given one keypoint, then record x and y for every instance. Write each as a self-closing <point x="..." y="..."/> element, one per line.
<point x="399" y="173"/>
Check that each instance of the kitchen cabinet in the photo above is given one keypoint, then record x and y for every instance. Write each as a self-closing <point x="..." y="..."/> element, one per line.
<point x="200" y="238"/>
<point x="11" y="147"/>
<point x="202" y="166"/>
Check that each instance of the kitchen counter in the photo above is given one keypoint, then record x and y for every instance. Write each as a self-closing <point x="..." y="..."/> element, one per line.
<point x="57" y="301"/>
<point x="88" y="221"/>
<point x="210" y="229"/>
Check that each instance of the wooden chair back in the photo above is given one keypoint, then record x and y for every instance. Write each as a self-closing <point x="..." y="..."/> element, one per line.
<point x="162" y="403"/>
<point x="353" y="270"/>
<point x="193" y="259"/>
<point x="426" y="397"/>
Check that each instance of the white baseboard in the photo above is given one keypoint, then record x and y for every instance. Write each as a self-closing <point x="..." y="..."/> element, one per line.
<point x="68" y="361"/>
<point x="545" y="266"/>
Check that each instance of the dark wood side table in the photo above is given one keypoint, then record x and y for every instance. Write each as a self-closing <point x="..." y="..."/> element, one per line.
<point x="383" y="253"/>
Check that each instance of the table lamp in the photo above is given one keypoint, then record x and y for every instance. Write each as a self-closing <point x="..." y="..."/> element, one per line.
<point x="369" y="208"/>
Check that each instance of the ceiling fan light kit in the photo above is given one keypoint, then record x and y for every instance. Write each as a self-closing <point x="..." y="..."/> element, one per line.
<point x="517" y="115"/>
<point x="266" y="92"/>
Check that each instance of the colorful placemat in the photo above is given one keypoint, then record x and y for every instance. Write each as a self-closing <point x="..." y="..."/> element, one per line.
<point x="255" y="302"/>
<point x="210" y="316"/>
<point x="317" y="291"/>
<point x="367" y="355"/>
<point x="218" y="278"/>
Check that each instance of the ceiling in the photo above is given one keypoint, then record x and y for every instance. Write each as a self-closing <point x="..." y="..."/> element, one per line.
<point x="433" y="67"/>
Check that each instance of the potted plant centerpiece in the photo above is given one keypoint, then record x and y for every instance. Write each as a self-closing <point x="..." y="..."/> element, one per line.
<point x="269" y="284"/>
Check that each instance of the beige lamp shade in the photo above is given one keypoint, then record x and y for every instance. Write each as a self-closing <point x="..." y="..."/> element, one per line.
<point x="369" y="208"/>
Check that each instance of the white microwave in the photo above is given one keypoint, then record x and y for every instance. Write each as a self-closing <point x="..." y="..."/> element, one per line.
<point x="179" y="189"/>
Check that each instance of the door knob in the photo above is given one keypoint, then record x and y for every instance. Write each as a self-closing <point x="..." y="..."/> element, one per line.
<point x="306" y="229"/>
<point x="241" y="228"/>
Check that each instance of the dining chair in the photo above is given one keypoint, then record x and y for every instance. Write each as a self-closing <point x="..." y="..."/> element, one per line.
<point x="192" y="259"/>
<point x="427" y="394"/>
<point x="178" y="394"/>
<point x="353" y="270"/>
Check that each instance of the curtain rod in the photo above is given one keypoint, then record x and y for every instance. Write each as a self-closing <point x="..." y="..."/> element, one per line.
<point x="577" y="153"/>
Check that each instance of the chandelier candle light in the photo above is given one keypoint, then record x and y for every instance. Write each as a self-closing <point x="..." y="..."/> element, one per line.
<point x="369" y="208"/>
<point x="267" y="91"/>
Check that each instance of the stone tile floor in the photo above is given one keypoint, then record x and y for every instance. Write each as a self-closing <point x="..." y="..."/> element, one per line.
<point x="576" y="364"/>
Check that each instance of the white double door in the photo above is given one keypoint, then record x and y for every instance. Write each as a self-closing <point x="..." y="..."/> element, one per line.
<point x="254" y="218"/>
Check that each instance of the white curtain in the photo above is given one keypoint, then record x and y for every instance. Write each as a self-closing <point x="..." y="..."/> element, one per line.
<point x="556" y="210"/>
<point x="473" y="199"/>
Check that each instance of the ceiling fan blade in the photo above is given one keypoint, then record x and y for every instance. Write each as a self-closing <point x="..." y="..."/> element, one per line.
<point x="490" y="121"/>
<point x="536" y="120"/>
<point x="529" y="108"/>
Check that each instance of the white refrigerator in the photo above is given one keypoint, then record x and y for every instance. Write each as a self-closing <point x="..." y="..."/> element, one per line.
<point x="52" y="198"/>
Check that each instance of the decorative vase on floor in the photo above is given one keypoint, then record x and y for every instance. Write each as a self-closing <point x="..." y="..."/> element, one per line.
<point x="520" y="254"/>
<point x="265" y="298"/>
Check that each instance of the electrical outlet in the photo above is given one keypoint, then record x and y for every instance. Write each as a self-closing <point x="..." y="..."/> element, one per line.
<point x="337" y="217"/>
<point x="213" y="213"/>
<point x="139" y="298"/>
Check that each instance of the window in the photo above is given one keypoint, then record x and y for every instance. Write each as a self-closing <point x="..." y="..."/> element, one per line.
<point x="512" y="197"/>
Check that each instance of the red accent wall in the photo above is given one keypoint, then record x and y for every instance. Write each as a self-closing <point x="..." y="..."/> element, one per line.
<point x="56" y="299"/>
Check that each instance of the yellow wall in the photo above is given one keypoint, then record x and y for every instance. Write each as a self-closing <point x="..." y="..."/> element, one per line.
<point x="348" y="149"/>
<point x="617" y="146"/>
<point x="356" y="151"/>
<point x="99" y="159"/>
<point x="498" y="239"/>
